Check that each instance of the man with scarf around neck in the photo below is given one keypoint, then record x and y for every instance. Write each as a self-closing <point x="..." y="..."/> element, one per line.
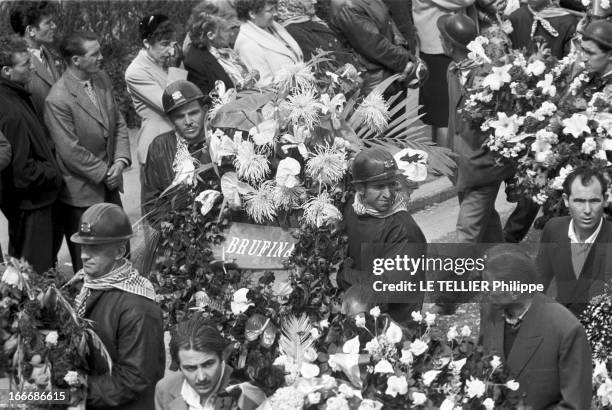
<point x="204" y="381"/>
<point x="174" y="156"/>
<point x="543" y="18"/>
<point x="121" y="304"/>
<point x="379" y="227"/>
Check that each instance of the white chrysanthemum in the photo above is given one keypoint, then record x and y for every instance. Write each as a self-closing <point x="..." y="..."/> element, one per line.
<point x="304" y="108"/>
<point x="374" y="112"/>
<point x="328" y="165"/>
<point x="286" y="398"/>
<point x="250" y="165"/>
<point x="320" y="210"/>
<point x="289" y="198"/>
<point x="295" y="75"/>
<point x="259" y="205"/>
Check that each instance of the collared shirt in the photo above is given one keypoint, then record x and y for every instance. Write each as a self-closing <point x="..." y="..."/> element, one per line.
<point x="191" y="397"/>
<point x="37" y="52"/>
<point x="580" y="249"/>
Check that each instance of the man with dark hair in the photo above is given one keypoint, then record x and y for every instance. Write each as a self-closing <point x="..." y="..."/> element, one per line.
<point x="574" y="249"/>
<point x="174" y="156"/>
<point x="122" y="306"/>
<point x="36" y="26"/>
<point x="89" y="132"/>
<point x="204" y="378"/>
<point x="542" y="345"/>
<point x="32" y="181"/>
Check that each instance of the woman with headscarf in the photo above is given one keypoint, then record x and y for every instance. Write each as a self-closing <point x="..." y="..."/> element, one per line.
<point x="380" y="229"/>
<point x="148" y="75"/>
<point x="209" y="58"/>
<point x="309" y="31"/>
<point x="263" y="44"/>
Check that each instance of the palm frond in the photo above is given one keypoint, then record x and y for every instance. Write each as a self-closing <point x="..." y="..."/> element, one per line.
<point x="295" y="338"/>
<point x="404" y="131"/>
<point x="99" y="345"/>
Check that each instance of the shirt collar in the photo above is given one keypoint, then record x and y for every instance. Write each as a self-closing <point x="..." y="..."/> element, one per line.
<point x="573" y="237"/>
<point x="191" y="397"/>
<point x="37" y="52"/>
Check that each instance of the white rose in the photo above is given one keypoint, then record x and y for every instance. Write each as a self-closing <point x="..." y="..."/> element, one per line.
<point x="465" y="331"/>
<point x="495" y="362"/>
<point x="396" y="385"/>
<point x="448" y="404"/>
<point x="360" y="320"/>
<point x="430" y="376"/>
<point x="418" y="398"/>
<point x="512" y="385"/>
<point x="372" y="346"/>
<point x="589" y="145"/>
<point x="418" y="347"/>
<point x="452" y="333"/>
<point x="11" y="277"/>
<point x="407" y="357"/>
<point x="475" y="387"/>
<point x="309" y="370"/>
<point x="430" y="318"/>
<point x="383" y="367"/>
<point x="369" y="404"/>
<point x="346" y="390"/>
<point x="375" y="311"/>
<point x="416" y="316"/>
<point x="315" y="333"/>
<point x="324" y="323"/>
<point x="240" y="303"/>
<point x="314" y="397"/>
<point x="536" y="68"/>
<point x="51" y="338"/>
<point x="489" y="404"/>
<point x="394" y="333"/>
<point x="72" y="378"/>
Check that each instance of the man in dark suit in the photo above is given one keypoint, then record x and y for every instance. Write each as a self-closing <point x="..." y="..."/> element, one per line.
<point x="32" y="180"/>
<point x="36" y="26"/>
<point x="574" y="249"/>
<point x="89" y="132"/>
<point x="542" y="345"/>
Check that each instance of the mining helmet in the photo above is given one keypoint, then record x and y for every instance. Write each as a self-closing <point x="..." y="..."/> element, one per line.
<point x="599" y="31"/>
<point x="458" y="28"/>
<point x="179" y="93"/>
<point x="374" y="165"/>
<point x="103" y="223"/>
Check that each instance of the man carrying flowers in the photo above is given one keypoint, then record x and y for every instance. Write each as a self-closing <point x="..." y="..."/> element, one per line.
<point x="121" y="304"/>
<point x="380" y="228"/>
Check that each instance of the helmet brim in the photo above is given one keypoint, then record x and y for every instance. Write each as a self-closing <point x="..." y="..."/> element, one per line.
<point x="94" y="240"/>
<point x="204" y="100"/>
<point x="392" y="175"/>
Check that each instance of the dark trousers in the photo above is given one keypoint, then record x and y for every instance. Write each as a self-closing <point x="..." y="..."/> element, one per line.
<point x="68" y="224"/>
<point x="32" y="237"/>
<point x="478" y="221"/>
<point x="520" y="221"/>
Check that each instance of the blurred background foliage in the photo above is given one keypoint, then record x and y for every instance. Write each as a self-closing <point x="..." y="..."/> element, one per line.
<point x="116" y="22"/>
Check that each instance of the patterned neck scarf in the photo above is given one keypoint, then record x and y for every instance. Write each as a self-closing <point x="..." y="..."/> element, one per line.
<point x="124" y="278"/>
<point x="362" y="208"/>
<point x="184" y="165"/>
<point x="231" y="63"/>
<point x="539" y="17"/>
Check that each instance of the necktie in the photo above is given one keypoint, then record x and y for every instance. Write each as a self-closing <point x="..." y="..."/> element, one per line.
<point x="90" y="93"/>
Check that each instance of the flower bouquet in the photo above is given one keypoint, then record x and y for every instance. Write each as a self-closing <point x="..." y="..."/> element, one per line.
<point x="44" y="340"/>
<point x="546" y="116"/>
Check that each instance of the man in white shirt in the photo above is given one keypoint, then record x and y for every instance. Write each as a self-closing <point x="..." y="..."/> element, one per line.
<point x="573" y="248"/>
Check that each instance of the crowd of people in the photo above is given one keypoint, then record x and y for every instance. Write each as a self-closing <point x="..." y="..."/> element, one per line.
<point x="64" y="147"/>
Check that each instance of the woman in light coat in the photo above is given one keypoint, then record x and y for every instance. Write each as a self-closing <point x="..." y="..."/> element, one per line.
<point x="149" y="74"/>
<point x="263" y="44"/>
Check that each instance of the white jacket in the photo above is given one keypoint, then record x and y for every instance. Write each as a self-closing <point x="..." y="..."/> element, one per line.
<point x="266" y="52"/>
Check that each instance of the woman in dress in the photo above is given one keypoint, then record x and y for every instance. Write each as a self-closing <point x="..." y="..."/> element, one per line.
<point x="263" y="44"/>
<point x="148" y="75"/>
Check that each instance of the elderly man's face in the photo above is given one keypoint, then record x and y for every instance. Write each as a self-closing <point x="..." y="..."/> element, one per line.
<point x="98" y="260"/>
<point x="202" y="370"/>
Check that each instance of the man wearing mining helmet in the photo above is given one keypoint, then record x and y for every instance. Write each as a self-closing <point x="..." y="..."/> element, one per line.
<point x="121" y="303"/>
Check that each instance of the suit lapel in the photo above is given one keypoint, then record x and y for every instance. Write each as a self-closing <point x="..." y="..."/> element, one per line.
<point x="82" y="99"/>
<point x="527" y="340"/>
<point x="41" y="71"/>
